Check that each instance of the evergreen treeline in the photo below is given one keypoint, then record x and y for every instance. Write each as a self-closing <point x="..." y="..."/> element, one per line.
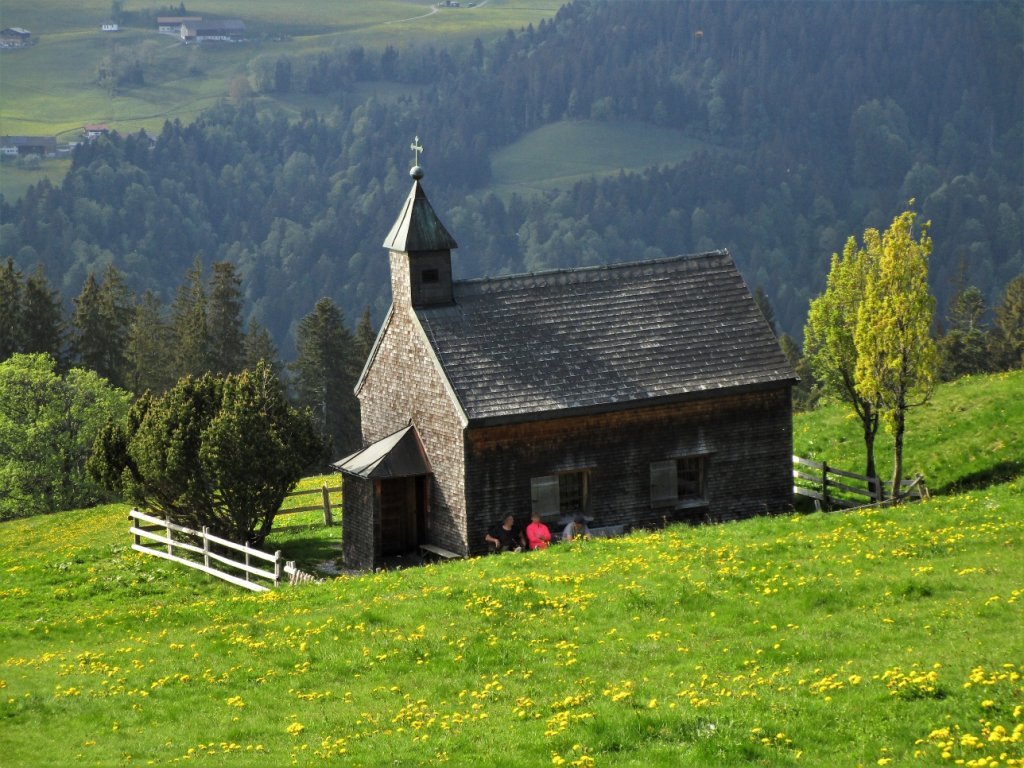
<point x="139" y="344"/>
<point x="828" y="117"/>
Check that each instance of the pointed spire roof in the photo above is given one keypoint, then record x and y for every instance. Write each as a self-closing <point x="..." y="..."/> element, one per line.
<point x="417" y="227"/>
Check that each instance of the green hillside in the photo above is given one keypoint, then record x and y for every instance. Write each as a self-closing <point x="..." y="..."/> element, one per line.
<point x="561" y="154"/>
<point x="867" y="638"/>
<point x="969" y="435"/>
<point x="51" y="88"/>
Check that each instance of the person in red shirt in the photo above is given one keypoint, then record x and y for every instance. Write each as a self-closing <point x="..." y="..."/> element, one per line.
<point x="537" y="534"/>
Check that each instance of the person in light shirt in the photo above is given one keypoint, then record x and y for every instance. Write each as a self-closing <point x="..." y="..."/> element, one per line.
<point x="576" y="529"/>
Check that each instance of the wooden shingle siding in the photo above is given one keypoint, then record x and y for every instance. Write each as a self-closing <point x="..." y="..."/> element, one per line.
<point x="747" y="439"/>
<point x="361" y="529"/>
<point x="601" y="371"/>
<point x="402" y="386"/>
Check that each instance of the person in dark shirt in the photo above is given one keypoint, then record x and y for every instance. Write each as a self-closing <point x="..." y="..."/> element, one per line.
<point x="505" y="537"/>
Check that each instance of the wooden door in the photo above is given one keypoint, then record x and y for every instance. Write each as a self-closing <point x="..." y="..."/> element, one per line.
<point x="398" y="516"/>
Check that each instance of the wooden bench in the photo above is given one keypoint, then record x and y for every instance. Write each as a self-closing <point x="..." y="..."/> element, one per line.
<point x="430" y="551"/>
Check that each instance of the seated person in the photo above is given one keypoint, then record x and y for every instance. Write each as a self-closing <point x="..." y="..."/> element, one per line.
<point x="505" y="537"/>
<point x="576" y="529"/>
<point x="538" y="536"/>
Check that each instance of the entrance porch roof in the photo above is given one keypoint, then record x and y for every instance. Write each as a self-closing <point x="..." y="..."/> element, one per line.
<point x="399" y="454"/>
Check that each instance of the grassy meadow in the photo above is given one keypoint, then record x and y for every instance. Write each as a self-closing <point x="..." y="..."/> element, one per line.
<point x="15" y="179"/>
<point x="969" y="435"/>
<point x="51" y="87"/>
<point x="560" y="154"/>
<point x="869" y="638"/>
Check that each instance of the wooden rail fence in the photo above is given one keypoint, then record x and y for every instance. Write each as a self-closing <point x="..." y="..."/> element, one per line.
<point x="324" y="505"/>
<point x="147" y="528"/>
<point x="831" y="487"/>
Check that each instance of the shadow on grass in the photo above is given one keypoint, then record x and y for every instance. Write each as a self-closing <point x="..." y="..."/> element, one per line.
<point x="308" y="551"/>
<point x="1003" y="472"/>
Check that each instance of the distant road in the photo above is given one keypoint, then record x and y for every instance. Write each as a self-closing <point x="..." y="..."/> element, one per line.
<point x="434" y="9"/>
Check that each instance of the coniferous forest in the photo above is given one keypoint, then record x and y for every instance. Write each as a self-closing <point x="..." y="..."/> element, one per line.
<point x="820" y="119"/>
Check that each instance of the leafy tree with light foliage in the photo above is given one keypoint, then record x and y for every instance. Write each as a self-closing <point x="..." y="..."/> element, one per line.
<point x="48" y="423"/>
<point x="829" y="346"/>
<point x="896" y="355"/>
<point x="215" y="452"/>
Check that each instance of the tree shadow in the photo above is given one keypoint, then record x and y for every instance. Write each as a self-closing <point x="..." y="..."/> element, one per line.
<point x="308" y="552"/>
<point x="1003" y="472"/>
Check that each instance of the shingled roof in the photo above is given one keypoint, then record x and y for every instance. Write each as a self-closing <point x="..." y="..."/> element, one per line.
<point x="417" y="227"/>
<point x="558" y="342"/>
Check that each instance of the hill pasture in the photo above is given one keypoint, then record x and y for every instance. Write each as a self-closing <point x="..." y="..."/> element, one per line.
<point x="560" y="154"/>
<point x="51" y="88"/>
<point x="876" y="637"/>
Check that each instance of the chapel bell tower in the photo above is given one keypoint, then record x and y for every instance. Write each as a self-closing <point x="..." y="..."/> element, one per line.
<point x="420" y="249"/>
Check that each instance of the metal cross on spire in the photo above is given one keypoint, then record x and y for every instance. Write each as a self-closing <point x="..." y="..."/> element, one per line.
<point x="416" y="148"/>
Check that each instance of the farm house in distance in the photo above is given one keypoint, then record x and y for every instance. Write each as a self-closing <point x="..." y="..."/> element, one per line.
<point x="225" y="31"/>
<point x="634" y="394"/>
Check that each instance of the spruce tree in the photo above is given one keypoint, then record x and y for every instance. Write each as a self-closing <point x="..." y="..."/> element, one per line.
<point x="43" y="318"/>
<point x="150" y="345"/>
<point x="10" y="310"/>
<point x="191" y="331"/>
<point x="365" y="336"/>
<point x="964" y="349"/>
<point x="761" y="299"/>
<point x="323" y="374"/>
<point x="117" y="310"/>
<point x="103" y="314"/>
<point x="224" y="320"/>
<point x="259" y="347"/>
<point x="1008" y="341"/>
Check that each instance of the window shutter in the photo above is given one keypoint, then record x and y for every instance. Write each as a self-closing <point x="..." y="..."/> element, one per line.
<point x="544" y="494"/>
<point x="663" y="482"/>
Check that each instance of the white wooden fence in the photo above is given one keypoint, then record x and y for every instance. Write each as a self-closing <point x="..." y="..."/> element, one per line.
<point x="146" y="528"/>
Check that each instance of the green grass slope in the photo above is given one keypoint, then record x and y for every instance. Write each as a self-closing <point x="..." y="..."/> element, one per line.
<point x="560" y="154"/>
<point x="970" y="434"/>
<point x="867" y="638"/>
<point x="51" y="89"/>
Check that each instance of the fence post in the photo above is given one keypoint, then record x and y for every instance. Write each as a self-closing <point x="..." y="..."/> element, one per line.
<point x="876" y="488"/>
<point x="328" y="519"/>
<point x="824" y="484"/>
<point x="206" y="547"/>
<point x="247" y="561"/>
<point x="170" y="540"/>
<point x="277" y="568"/>
<point x="135" y="537"/>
